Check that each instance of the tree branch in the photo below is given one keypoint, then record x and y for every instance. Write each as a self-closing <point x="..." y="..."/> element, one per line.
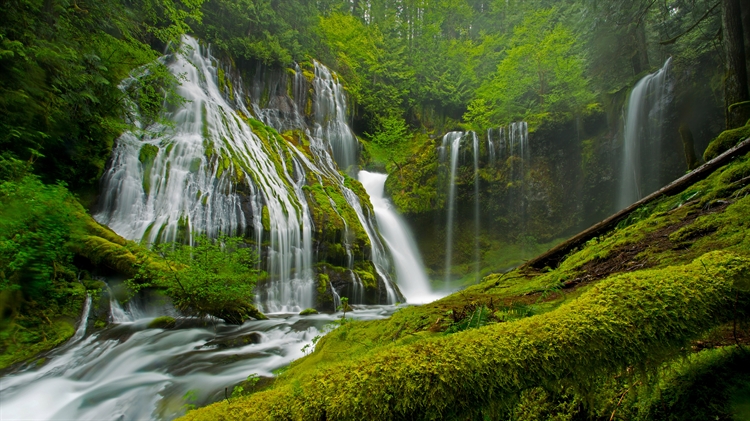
<point x="673" y="40"/>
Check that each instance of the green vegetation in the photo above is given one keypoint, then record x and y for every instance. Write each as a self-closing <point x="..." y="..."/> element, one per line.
<point x="609" y="330"/>
<point x="162" y="322"/>
<point x="215" y="277"/>
<point x="308" y="312"/>
<point x="40" y="294"/>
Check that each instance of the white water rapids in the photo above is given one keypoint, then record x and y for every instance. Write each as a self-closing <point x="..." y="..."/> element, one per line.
<point x="129" y="372"/>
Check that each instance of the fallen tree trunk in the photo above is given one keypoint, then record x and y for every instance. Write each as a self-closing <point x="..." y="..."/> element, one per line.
<point x="554" y="256"/>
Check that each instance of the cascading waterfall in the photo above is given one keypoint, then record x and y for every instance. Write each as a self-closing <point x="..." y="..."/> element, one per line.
<point x="211" y="174"/>
<point x="452" y="143"/>
<point x="642" y="144"/>
<point x="167" y="184"/>
<point x="477" y="262"/>
<point x="330" y="118"/>
<point x="412" y="279"/>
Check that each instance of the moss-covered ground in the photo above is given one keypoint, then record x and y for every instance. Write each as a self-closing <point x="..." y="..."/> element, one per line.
<point x="613" y="329"/>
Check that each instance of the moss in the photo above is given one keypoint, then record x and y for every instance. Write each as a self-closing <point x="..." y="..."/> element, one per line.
<point x="725" y="141"/>
<point x="600" y="333"/>
<point x="146" y="156"/>
<point x="265" y="219"/>
<point x="323" y="281"/>
<point x="588" y="327"/>
<point x="162" y="322"/>
<point x="308" y="312"/>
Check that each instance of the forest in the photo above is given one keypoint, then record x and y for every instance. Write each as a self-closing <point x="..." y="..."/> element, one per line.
<point x="374" y="209"/>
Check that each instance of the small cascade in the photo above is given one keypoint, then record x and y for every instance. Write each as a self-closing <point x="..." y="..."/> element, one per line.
<point x="642" y="145"/>
<point x="358" y="288"/>
<point x="330" y="119"/>
<point x="491" y="148"/>
<point x="336" y="298"/>
<point x="477" y="262"/>
<point x="410" y="275"/>
<point x="81" y="330"/>
<point x="452" y="143"/>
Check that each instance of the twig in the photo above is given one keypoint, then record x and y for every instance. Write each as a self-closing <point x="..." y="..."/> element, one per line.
<point x="620" y="401"/>
<point x="673" y="40"/>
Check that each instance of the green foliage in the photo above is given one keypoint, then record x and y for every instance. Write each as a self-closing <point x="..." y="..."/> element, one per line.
<point x="36" y="224"/>
<point x="60" y="68"/>
<point x="392" y="132"/>
<point x="454" y="377"/>
<point x="541" y="74"/>
<point x="273" y="32"/>
<point x="215" y="277"/>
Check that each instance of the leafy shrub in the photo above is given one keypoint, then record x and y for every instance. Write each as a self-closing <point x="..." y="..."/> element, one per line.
<point x="215" y="277"/>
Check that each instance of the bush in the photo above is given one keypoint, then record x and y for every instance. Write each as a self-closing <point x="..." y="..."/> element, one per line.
<point x="36" y="225"/>
<point x="212" y="277"/>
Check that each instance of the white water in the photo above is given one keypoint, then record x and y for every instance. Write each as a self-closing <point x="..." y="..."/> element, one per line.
<point x="211" y="174"/>
<point x="410" y="275"/>
<point x="477" y="261"/>
<point x="330" y="118"/>
<point x="641" y="158"/>
<point x="452" y="142"/>
<point x="128" y="372"/>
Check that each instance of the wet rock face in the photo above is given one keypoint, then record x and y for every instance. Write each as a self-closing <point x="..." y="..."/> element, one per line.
<point x="235" y="342"/>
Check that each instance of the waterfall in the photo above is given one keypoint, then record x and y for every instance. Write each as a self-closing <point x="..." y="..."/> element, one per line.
<point x="477" y="262"/>
<point x="330" y="118"/>
<point x="641" y="158"/>
<point x="81" y="330"/>
<point x="452" y="142"/>
<point x="491" y="147"/>
<point x="209" y="174"/>
<point x="410" y="275"/>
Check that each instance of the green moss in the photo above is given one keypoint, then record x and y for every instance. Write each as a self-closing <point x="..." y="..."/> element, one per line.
<point x="146" y="156"/>
<point x="162" y="322"/>
<point x="308" y="312"/>
<point x="725" y="141"/>
<point x="323" y="281"/>
<point x="601" y="333"/>
<point x="265" y="219"/>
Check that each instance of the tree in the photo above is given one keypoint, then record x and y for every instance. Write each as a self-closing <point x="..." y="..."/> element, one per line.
<point x="212" y="277"/>
<point x="736" y="95"/>
<point x="541" y="74"/>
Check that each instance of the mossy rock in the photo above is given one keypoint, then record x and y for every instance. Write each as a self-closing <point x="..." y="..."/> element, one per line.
<point x="162" y="322"/>
<point x="726" y="141"/>
<point x="308" y="312"/>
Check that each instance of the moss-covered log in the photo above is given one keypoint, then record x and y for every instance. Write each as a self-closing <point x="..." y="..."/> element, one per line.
<point x="629" y="319"/>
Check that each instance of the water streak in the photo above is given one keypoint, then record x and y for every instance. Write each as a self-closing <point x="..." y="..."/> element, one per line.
<point x="641" y="159"/>
<point x="410" y="275"/>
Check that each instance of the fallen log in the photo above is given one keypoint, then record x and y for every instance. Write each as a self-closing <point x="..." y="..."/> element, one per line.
<point x="554" y="256"/>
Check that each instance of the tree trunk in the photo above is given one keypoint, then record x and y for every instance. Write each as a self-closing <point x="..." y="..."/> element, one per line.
<point x="746" y="30"/>
<point x="735" y="84"/>
<point x="689" y="146"/>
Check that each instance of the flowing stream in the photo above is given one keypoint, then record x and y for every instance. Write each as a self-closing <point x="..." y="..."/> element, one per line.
<point x="130" y="372"/>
